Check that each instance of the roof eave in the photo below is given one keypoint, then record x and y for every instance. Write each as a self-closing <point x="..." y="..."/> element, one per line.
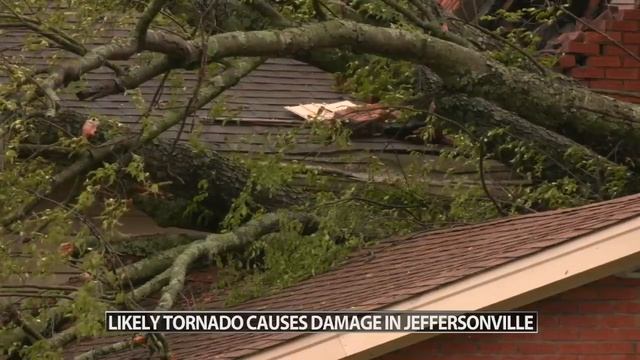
<point x="574" y="263"/>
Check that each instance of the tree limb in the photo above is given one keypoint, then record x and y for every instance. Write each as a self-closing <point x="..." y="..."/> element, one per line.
<point x="567" y="157"/>
<point x="552" y="102"/>
<point x="215" y="87"/>
<point x="219" y="243"/>
<point x="106" y="350"/>
<point x="140" y="31"/>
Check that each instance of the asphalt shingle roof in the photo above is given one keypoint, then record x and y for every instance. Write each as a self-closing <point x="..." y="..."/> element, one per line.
<point x="256" y="116"/>
<point x="398" y="269"/>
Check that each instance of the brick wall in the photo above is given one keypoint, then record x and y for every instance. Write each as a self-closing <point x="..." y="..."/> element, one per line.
<point x="598" y="321"/>
<point x="593" y="58"/>
<point x="450" y="5"/>
<point x="599" y="63"/>
<point x="624" y="4"/>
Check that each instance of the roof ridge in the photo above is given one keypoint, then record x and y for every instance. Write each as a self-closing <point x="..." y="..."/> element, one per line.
<point x="369" y="251"/>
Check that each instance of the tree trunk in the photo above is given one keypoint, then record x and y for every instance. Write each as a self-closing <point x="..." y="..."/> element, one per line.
<point x="564" y="157"/>
<point x="180" y="168"/>
<point x="186" y="168"/>
<point x="552" y="101"/>
<point x="561" y="105"/>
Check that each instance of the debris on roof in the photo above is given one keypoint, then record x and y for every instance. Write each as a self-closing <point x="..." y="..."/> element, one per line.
<point x="364" y="119"/>
<point x="366" y="113"/>
<point x="249" y="117"/>
<point x="320" y="111"/>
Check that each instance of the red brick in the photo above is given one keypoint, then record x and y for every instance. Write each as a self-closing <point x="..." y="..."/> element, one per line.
<point x="561" y="306"/>
<point x="547" y="320"/>
<point x="628" y="307"/>
<point x="538" y="348"/>
<point x="576" y="47"/>
<point x="605" y="326"/>
<point x="580" y="320"/>
<point x="613" y="307"/>
<point x="517" y="337"/>
<point x="597" y="348"/>
<point x="621" y="25"/>
<point x="620" y="321"/>
<point x="615" y="357"/>
<point x="626" y="293"/>
<point x="595" y="37"/>
<point x="604" y="61"/>
<point x="630" y="99"/>
<point x="630" y="14"/>
<point x="587" y="73"/>
<point x="609" y="334"/>
<point x="485" y="347"/>
<point x="628" y="62"/>
<point x="623" y="74"/>
<point x="567" y="61"/>
<point x="600" y="307"/>
<point x="597" y="334"/>
<point x="581" y="293"/>
<point x="631" y="38"/>
<point x="558" y="334"/>
<point x="616" y="50"/>
<point x="606" y="84"/>
<point x="466" y="347"/>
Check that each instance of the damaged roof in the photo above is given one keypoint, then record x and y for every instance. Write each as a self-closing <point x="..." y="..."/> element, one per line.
<point x="397" y="269"/>
<point x="250" y="117"/>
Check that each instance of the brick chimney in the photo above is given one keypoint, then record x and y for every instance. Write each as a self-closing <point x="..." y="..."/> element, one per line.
<point x="602" y="53"/>
<point x="606" y="55"/>
<point x="624" y="4"/>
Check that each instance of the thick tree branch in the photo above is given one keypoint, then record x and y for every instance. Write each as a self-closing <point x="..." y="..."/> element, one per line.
<point x="131" y="80"/>
<point x="442" y="56"/>
<point x="64" y="337"/>
<point x="552" y="102"/>
<point x="219" y="243"/>
<point x="566" y="157"/>
<point x="214" y="244"/>
<point x="106" y="350"/>
<point x="46" y="320"/>
<point x="425" y="9"/>
<point x="170" y="44"/>
<point x="140" y="31"/>
<point x="148" y="267"/>
<point x="150" y="287"/>
<point x="215" y="87"/>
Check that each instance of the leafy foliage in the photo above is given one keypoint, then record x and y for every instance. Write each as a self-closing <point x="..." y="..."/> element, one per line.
<point x="80" y="229"/>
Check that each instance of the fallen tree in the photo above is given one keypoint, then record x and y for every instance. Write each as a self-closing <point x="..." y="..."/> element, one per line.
<point x="226" y="179"/>
<point x="569" y="130"/>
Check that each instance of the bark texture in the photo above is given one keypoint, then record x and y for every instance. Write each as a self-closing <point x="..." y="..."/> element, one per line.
<point x="226" y="179"/>
<point x="554" y="102"/>
<point x="565" y="157"/>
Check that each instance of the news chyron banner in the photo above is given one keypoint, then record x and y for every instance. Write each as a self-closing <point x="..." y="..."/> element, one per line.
<point x="314" y="322"/>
